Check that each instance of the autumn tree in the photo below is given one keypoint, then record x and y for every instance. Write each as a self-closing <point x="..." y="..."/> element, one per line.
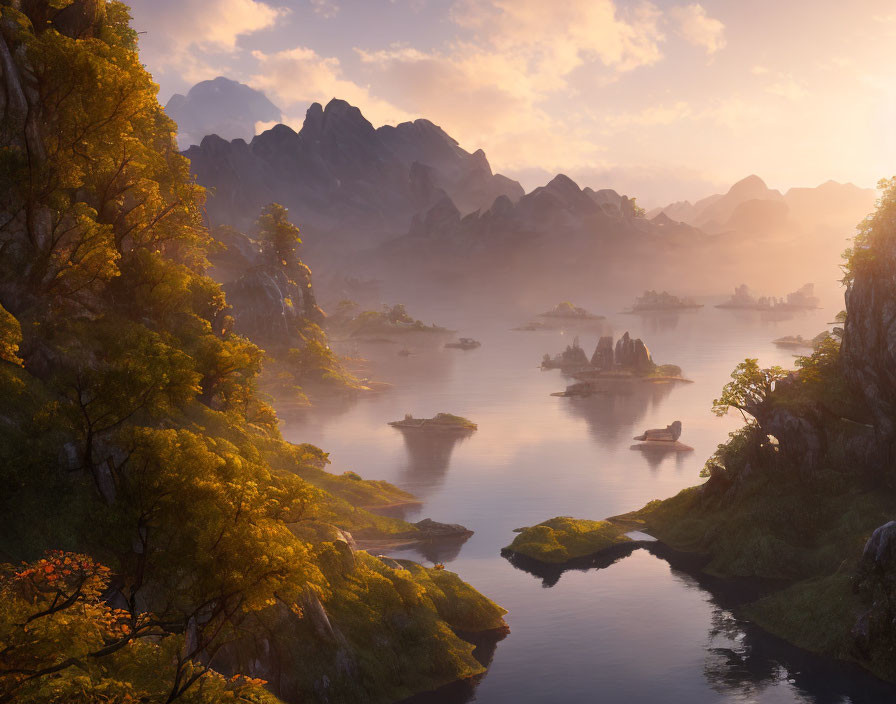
<point x="280" y="238"/>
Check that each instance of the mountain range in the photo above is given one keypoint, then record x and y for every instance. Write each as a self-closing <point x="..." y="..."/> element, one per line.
<point x="408" y="201"/>
<point x="751" y="206"/>
<point x="343" y="179"/>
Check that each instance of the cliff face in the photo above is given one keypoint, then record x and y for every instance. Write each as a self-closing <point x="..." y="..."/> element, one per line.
<point x="341" y="177"/>
<point x="869" y="342"/>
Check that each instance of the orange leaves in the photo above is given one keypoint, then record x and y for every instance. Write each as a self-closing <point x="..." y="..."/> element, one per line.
<point x="69" y="575"/>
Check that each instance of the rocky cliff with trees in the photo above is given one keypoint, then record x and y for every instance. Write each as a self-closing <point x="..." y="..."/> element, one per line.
<point x="804" y="492"/>
<point x="160" y="541"/>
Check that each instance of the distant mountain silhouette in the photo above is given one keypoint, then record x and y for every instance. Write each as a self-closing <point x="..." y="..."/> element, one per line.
<point x="222" y="107"/>
<point x="750" y="206"/>
<point x="407" y="205"/>
<point x="346" y="183"/>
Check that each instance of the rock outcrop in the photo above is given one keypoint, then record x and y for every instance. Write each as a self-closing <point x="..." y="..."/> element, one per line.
<point x="603" y="357"/>
<point x="632" y="354"/>
<point x="876" y="586"/>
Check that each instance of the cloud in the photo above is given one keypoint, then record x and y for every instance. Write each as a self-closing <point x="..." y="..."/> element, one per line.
<point x="174" y="24"/>
<point x="495" y="82"/>
<point x="296" y="77"/>
<point x="695" y="26"/>
<point x="325" y="8"/>
<point x="652" y="115"/>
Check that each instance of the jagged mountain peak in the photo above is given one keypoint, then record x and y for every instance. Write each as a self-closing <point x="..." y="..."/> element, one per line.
<point x="340" y="174"/>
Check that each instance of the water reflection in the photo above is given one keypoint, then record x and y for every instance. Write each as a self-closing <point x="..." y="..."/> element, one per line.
<point x="655" y="456"/>
<point x="661" y="321"/>
<point x="464" y="691"/>
<point x="550" y="574"/>
<point x="429" y="456"/>
<point x="614" y="411"/>
<point x="741" y="660"/>
<point x="442" y="549"/>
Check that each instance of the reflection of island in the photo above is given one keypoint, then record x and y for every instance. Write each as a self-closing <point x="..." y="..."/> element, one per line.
<point x="429" y="456"/>
<point x="550" y="574"/>
<point x="614" y="407"/>
<point x="801" y="299"/>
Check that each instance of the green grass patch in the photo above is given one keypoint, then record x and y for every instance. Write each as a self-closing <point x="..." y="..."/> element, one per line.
<point x="562" y="539"/>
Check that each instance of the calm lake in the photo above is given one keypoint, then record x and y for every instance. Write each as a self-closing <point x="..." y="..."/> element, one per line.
<point x="638" y="630"/>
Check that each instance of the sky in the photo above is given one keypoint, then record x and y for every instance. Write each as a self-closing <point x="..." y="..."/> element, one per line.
<point x="662" y="100"/>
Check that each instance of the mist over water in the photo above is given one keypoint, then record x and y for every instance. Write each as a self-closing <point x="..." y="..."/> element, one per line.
<point x="637" y="630"/>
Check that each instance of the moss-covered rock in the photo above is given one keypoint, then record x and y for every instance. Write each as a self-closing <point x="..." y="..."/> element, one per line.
<point x="562" y="539"/>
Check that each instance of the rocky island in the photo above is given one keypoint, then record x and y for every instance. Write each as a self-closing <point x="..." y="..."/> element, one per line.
<point x="802" y="299"/>
<point x="441" y="422"/>
<point x="662" y="439"/>
<point x="653" y="302"/>
<point x="802" y="495"/>
<point x="629" y="359"/>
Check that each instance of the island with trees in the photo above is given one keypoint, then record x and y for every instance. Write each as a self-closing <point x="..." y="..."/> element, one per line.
<point x="627" y="360"/>
<point x="659" y="302"/>
<point x="566" y="542"/>
<point x="803" y="298"/>
<point x="391" y="320"/>
<point x="440" y="423"/>
<point x="568" y="311"/>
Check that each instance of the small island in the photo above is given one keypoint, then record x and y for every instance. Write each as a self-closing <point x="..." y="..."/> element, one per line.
<point x="628" y="359"/>
<point x="441" y="422"/>
<point x="563" y="539"/>
<point x="800" y="342"/>
<point x="532" y="326"/>
<point x="662" y="439"/>
<point x="464" y="343"/>
<point x="802" y="299"/>
<point x="391" y="320"/>
<point x="568" y="311"/>
<point x="653" y="302"/>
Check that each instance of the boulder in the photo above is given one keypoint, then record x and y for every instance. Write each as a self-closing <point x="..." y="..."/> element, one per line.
<point x="670" y="433"/>
<point x="875" y="583"/>
<point x="431" y="529"/>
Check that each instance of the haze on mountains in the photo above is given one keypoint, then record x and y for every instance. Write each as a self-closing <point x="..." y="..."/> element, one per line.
<point x="406" y="203"/>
